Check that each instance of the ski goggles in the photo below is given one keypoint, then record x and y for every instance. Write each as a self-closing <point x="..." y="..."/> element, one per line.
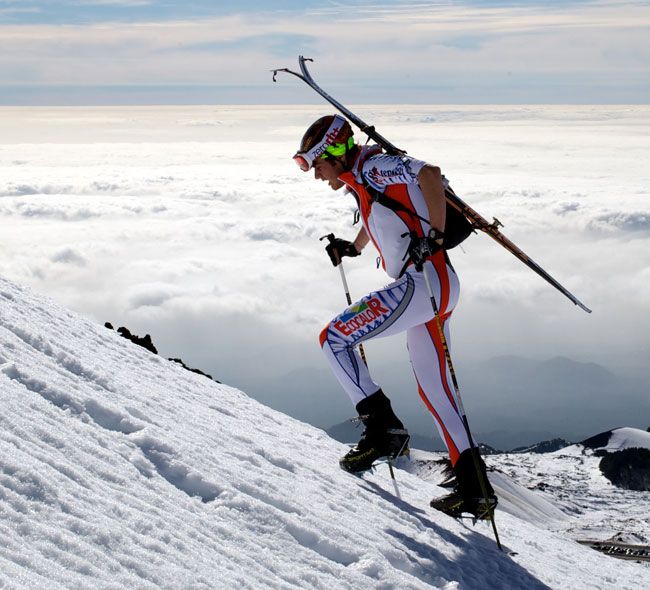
<point x="325" y="146"/>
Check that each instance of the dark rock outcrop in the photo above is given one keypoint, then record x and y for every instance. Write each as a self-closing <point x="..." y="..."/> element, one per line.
<point x="629" y="469"/>
<point x="198" y="371"/>
<point x="146" y="342"/>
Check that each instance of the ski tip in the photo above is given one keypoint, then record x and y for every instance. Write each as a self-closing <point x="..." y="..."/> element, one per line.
<point x="582" y="306"/>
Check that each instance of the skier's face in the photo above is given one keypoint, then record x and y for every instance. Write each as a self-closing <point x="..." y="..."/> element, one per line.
<point x="329" y="170"/>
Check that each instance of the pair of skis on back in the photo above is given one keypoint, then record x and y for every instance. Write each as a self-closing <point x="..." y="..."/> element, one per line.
<point x="477" y="220"/>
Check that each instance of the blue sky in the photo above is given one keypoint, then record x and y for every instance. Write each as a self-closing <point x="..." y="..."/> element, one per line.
<point x="203" y="52"/>
<point x="88" y="11"/>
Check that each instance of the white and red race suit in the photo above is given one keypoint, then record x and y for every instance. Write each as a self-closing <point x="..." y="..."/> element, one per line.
<point x="403" y="305"/>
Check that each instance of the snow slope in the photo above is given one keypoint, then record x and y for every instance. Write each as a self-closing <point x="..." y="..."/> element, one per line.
<point x="119" y="469"/>
<point x="598" y="509"/>
<point x="625" y="438"/>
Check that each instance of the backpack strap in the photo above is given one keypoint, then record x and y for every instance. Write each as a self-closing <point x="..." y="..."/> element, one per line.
<point x="394" y="205"/>
<point x="390" y="203"/>
<point x="457" y="227"/>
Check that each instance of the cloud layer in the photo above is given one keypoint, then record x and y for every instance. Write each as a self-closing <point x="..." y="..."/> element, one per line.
<point x="194" y="225"/>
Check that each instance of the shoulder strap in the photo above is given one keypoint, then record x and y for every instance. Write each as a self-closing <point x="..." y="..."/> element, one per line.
<point x="383" y="199"/>
<point x="390" y="203"/>
<point x="457" y="227"/>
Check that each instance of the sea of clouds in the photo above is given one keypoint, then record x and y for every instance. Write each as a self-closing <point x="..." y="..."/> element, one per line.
<point x="194" y="225"/>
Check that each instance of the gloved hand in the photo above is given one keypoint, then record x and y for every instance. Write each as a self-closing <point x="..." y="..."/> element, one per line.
<point x="421" y="248"/>
<point x="338" y="248"/>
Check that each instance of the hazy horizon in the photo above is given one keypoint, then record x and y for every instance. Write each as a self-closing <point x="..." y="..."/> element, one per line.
<point x="27" y="96"/>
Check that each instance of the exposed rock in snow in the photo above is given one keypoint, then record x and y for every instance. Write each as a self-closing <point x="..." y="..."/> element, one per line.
<point x="146" y="343"/>
<point x="625" y="456"/>
<point x="629" y="468"/>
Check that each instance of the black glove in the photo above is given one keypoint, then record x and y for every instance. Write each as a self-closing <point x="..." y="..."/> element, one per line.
<point x="421" y="248"/>
<point x="338" y="248"/>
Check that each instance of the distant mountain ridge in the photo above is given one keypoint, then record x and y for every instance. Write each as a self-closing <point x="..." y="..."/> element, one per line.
<point x="564" y="398"/>
<point x="511" y="401"/>
<point x="349" y="432"/>
<point x="546" y="446"/>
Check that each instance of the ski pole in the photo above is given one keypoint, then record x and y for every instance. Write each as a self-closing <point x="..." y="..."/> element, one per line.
<point x="474" y="449"/>
<point x="331" y="238"/>
<point x="362" y="353"/>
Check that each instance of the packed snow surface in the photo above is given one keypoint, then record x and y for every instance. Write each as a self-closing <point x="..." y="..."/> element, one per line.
<point x="119" y="469"/>
<point x="598" y="509"/>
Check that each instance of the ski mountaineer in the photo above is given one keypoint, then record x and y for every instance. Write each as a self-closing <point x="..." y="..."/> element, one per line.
<point x="404" y="305"/>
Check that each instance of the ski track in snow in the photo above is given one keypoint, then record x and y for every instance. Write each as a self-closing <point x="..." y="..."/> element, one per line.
<point x="119" y="469"/>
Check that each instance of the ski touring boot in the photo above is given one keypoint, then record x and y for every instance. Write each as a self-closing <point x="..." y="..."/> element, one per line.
<point x="456" y="506"/>
<point x="384" y="435"/>
<point x="467" y="497"/>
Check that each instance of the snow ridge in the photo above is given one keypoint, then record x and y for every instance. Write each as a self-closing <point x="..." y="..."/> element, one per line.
<point x="119" y="469"/>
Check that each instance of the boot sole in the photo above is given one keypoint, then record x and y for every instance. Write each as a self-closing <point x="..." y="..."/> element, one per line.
<point x="362" y="464"/>
<point x="457" y="511"/>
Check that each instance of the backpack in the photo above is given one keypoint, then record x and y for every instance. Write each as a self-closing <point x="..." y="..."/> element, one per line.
<point x="457" y="227"/>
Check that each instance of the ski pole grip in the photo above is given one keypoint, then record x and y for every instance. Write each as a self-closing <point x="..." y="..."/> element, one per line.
<point x="332" y="238"/>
